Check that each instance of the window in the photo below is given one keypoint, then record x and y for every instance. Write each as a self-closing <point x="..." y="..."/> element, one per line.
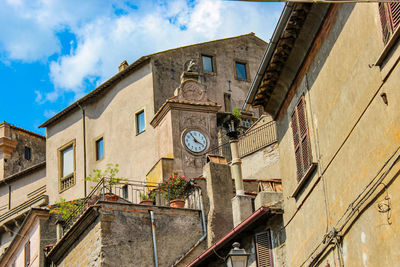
<point x="99" y="149"/>
<point x="27" y="153"/>
<point x="125" y="191"/>
<point x="27" y="252"/>
<point x="264" y="249"/>
<point x="301" y="139"/>
<point x="227" y="102"/>
<point x="208" y="64"/>
<point x="66" y="169"/>
<point x="390" y="19"/>
<point x="140" y="123"/>
<point x="241" y="72"/>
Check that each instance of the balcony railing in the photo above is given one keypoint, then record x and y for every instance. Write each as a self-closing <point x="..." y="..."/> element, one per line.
<point x="249" y="142"/>
<point x="257" y="138"/>
<point x="123" y="192"/>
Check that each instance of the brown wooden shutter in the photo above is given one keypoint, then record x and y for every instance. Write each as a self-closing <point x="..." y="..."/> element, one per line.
<point x="389" y="14"/>
<point x="384" y="21"/>
<point x="27" y="251"/>
<point x="301" y="139"/>
<point x="394" y="14"/>
<point x="264" y="249"/>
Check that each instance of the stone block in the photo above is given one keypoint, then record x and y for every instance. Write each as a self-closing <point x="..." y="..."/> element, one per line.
<point x="241" y="208"/>
<point x="267" y="198"/>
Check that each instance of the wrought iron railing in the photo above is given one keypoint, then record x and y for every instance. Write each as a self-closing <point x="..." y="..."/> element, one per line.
<point x="124" y="191"/>
<point x="257" y="138"/>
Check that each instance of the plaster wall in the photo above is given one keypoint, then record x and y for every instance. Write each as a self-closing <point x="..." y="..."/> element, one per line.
<point x="113" y="117"/>
<point x="353" y="132"/>
<point x="26" y="187"/>
<point x="34" y="237"/>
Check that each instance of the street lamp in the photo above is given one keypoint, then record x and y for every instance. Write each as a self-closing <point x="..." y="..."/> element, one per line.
<point x="237" y="257"/>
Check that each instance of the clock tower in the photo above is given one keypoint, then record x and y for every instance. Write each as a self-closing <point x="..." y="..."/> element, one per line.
<point x="186" y="125"/>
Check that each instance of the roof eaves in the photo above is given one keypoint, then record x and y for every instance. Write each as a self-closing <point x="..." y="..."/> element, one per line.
<point x="100" y="89"/>
<point x="234" y="232"/>
<point x="280" y="27"/>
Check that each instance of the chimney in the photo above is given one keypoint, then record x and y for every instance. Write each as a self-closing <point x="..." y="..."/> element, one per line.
<point x="123" y="66"/>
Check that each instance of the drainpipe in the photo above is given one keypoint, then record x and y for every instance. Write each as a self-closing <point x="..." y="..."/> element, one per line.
<point x="236" y="167"/>
<point x="153" y="232"/>
<point x="84" y="147"/>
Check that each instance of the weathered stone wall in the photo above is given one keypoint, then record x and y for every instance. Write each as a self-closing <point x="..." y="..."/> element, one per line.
<point x="168" y="67"/>
<point x="353" y="133"/>
<point x="127" y="237"/>
<point x="86" y="251"/>
<point x="17" y="161"/>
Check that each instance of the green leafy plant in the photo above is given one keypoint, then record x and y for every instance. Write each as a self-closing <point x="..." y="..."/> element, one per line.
<point x="236" y="113"/>
<point x="175" y="187"/>
<point x="109" y="174"/>
<point x="146" y="197"/>
<point x="66" y="208"/>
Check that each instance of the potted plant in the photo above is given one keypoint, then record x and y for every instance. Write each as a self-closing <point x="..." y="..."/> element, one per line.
<point x="147" y="199"/>
<point x="174" y="190"/>
<point x="110" y="180"/>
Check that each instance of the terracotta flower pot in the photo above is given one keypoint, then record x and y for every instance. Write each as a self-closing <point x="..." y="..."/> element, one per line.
<point x="111" y="197"/>
<point x="177" y="203"/>
<point x="146" y="202"/>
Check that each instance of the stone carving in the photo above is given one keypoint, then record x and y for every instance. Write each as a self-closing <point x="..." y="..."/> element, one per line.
<point x="192" y="120"/>
<point x="192" y="90"/>
<point x="190" y="67"/>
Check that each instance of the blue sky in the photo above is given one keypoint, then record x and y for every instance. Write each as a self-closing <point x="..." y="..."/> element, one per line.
<point x="54" y="52"/>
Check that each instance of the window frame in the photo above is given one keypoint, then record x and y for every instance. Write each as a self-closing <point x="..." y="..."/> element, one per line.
<point x="306" y="171"/>
<point x="213" y="63"/>
<point x="27" y="153"/>
<point x="137" y="121"/>
<point x="246" y="66"/>
<point x="96" y="140"/>
<point x="72" y="175"/>
<point x="27" y="253"/>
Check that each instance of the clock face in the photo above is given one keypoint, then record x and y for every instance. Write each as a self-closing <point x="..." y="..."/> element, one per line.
<point x="195" y="141"/>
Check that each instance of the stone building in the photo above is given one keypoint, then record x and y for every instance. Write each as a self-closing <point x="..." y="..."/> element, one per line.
<point x="112" y="123"/>
<point x="22" y="177"/>
<point x="330" y="79"/>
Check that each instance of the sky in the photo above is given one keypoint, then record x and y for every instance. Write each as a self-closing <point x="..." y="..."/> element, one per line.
<point x="53" y="52"/>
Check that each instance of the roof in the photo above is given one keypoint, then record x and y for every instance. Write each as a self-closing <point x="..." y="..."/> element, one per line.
<point x="284" y="50"/>
<point x="23" y="130"/>
<point x="31" y="169"/>
<point x="104" y="87"/>
<point x="247" y="223"/>
<point x="20" y="235"/>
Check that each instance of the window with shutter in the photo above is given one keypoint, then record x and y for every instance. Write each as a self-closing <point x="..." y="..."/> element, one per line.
<point x="389" y="14"/>
<point x="27" y="253"/>
<point x="264" y="249"/>
<point x="301" y="139"/>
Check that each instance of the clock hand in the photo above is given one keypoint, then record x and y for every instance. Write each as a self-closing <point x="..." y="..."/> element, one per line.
<point x="195" y="139"/>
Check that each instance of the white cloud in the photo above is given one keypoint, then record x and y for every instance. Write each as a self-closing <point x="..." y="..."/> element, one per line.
<point x="49" y="113"/>
<point x="104" y="39"/>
